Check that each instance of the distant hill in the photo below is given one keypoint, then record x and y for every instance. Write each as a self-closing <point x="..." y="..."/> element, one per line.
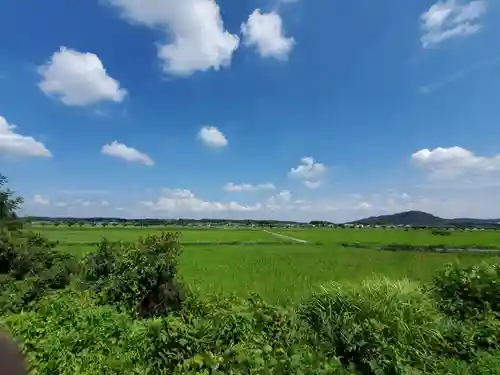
<point x="419" y="218"/>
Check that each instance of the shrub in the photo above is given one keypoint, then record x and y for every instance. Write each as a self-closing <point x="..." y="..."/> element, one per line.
<point x="466" y="340"/>
<point x="470" y="291"/>
<point x="139" y="277"/>
<point x="69" y="333"/>
<point x="441" y="233"/>
<point x="380" y="326"/>
<point x="37" y="240"/>
<point x="31" y="269"/>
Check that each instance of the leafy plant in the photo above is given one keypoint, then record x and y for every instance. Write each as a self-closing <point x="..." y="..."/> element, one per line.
<point x="139" y="277"/>
<point x="470" y="291"/>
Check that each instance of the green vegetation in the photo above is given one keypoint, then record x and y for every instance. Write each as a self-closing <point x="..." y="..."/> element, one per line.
<point x="150" y="301"/>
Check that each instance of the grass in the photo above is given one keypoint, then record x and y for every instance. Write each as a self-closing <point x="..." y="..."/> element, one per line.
<point x="87" y="235"/>
<point x="286" y="273"/>
<point x="384" y="237"/>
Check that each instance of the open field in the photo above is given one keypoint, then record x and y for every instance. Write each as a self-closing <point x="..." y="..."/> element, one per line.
<point x="84" y="235"/>
<point x="400" y="236"/>
<point x="282" y="270"/>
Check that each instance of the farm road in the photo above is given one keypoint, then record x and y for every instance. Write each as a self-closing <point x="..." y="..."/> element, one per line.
<point x="287" y="237"/>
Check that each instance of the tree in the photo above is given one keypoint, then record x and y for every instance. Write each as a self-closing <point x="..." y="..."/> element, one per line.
<point x="114" y="224"/>
<point x="104" y="225"/>
<point x="56" y="224"/>
<point x="9" y="204"/>
<point x="81" y="224"/>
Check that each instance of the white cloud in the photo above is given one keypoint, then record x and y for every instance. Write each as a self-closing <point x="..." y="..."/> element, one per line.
<point x="212" y="137"/>
<point x="454" y="162"/>
<point x="279" y="201"/>
<point x="78" y="79"/>
<point x="308" y="169"/>
<point x="183" y="201"/>
<point x="449" y="19"/>
<point x="363" y="206"/>
<point x="14" y="144"/>
<point x="38" y="199"/>
<point x="264" y="31"/>
<point x="312" y="184"/>
<point x="248" y="187"/>
<point x="104" y="203"/>
<point x="124" y="152"/>
<point x="197" y="40"/>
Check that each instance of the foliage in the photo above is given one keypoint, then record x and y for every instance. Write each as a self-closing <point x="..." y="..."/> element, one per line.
<point x="441" y="233"/>
<point x="31" y="268"/>
<point x="139" y="277"/>
<point x="467" y="340"/>
<point x="382" y="327"/>
<point x="468" y="292"/>
<point x="69" y="333"/>
<point x="9" y="204"/>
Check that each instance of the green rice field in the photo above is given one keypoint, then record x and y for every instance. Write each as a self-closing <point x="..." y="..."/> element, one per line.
<point x="242" y="261"/>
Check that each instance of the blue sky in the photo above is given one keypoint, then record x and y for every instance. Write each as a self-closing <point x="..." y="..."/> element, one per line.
<point x="251" y="109"/>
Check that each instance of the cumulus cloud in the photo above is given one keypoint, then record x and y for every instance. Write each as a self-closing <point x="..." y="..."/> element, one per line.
<point x="453" y="162"/>
<point x="183" y="201"/>
<point x="265" y="32"/>
<point x="197" y="40"/>
<point x="212" y="137"/>
<point x="124" y="152"/>
<point x="279" y="201"/>
<point x="78" y="79"/>
<point x="15" y="144"/>
<point x="248" y="187"/>
<point x="308" y="169"/>
<point x="448" y="19"/>
<point x="38" y="199"/>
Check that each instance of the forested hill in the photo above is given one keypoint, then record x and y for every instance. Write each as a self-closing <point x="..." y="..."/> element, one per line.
<point x="419" y="218"/>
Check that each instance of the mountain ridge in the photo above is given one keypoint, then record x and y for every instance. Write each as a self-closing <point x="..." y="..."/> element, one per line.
<point x="420" y="218"/>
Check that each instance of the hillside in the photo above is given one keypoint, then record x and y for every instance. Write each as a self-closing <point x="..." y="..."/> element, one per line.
<point x="419" y="218"/>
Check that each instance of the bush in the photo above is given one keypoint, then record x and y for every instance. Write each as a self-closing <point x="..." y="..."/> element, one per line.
<point x="468" y="340"/>
<point x="31" y="269"/>
<point x="39" y="241"/>
<point x="468" y="292"/>
<point x="68" y="333"/>
<point x="381" y="327"/>
<point x="441" y="233"/>
<point x="140" y="278"/>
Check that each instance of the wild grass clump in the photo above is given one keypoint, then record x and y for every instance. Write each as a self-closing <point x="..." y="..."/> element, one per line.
<point x="381" y="326"/>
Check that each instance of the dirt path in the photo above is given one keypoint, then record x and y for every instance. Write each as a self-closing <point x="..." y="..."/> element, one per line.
<point x="287" y="237"/>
